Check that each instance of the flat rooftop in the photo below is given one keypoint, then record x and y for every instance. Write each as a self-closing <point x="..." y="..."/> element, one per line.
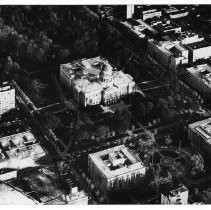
<point x="20" y="151"/>
<point x="202" y="72"/>
<point x="175" y="192"/>
<point x="116" y="161"/>
<point x="198" y="45"/>
<point x="135" y="26"/>
<point x="5" y="86"/>
<point x="203" y="128"/>
<point x="165" y="26"/>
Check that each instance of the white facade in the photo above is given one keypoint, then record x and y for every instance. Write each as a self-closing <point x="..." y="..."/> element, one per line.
<point x="151" y="13"/>
<point x="199" y="134"/>
<point x="199" y="77"/>
<point x="115" y="168"/>
<point x="94" y="81"/>
<point x="177" y="196"/>
<point x="20" y="151"/>
<point x="130" y="10"/>
<point x="167" y="53"/>
<point x="199" y="50"/>
<point x="7" y="98"/>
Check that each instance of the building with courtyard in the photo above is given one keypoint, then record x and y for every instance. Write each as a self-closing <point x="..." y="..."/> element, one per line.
<point x="95" y="81"/>
<point x="115" y="168"/>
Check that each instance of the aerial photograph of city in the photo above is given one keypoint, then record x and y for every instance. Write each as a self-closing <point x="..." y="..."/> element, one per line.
<point x="105" y="104"/>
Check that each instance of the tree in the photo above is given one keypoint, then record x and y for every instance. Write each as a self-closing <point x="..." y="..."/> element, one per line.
<point x="102" y="131"/>
<point x="162" y="103"/>
<point x="123" y="126"/>
<point x="82" y="134"/>
<point x="142" y="109"/>
<point x="197" y="163"/>
<point x="170" y="101"/>
<point x="50" y="121"/>
<point x="150" y="106"/>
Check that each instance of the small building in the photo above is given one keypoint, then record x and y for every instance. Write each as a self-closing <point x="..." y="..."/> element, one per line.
<point x="177" y="196"/>
<point x="7" y="97"/>
<point x="199" y="134"/>
<point x="95" y="81"/>
<point x="198" y="50"/>
<point x="115" y="168"/>
<point x="199" y="78"/>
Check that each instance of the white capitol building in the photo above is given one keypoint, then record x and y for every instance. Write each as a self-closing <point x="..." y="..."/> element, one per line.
<point x="95" y="81"/>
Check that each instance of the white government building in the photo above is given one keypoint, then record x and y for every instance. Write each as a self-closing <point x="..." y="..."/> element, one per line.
<point x="95" y="81"/>
<point x="7" y="97"/>
<point x="115" y="168"/>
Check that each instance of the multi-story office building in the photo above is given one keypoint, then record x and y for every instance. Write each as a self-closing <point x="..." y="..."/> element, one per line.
<point x="177" y="196"/>
<point x="174" y="13"/>
<point x="95" y="80"/>
<point x="167" y="53"/>
<point x="199" y="78"/>
<point x="198" y="50"/>
<point x="164" y="26"/>
<point x="7" y="97"/>
<point x="148" y="14"/>
<point x="115" y="168"/>
<point x="199" y="134"/>
<point x="184" y="37"/>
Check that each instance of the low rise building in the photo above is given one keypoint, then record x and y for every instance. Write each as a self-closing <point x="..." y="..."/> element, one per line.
<point x="169" y="54"/>
<point x="19" y="149"/>
<point x="199" y="134"/>
<point x="7" y="97"/>
<point x="184" y="37"/>
<point x="177" y="196"/>
<point x="135" y="27"/>
<point x="95" y="81"/>
<point x="115" y="168"/>
<point x="164" y="25"/>
<point x="174" y="13"/>
<point x="198" y="50"/>
<point x="199" y="78"/>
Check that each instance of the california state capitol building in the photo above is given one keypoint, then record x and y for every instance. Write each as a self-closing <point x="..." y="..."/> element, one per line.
<point x="95" y="81"/>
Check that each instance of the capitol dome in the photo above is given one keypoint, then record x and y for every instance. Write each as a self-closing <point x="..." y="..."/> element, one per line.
<point x="106" y="71"/>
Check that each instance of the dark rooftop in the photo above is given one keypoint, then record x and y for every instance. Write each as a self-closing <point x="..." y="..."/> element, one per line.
<point x="198" y="45"/>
